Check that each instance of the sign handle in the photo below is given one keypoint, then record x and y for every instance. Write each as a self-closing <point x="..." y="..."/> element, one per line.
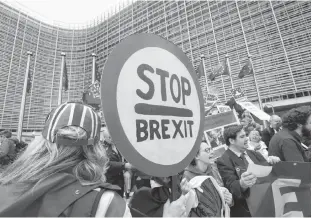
<point x="174" y="188"/>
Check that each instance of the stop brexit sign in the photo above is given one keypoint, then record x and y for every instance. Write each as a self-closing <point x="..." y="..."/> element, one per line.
<point x="152" y="104"/>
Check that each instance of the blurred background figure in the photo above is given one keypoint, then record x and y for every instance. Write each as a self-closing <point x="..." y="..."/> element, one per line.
<point x="213" y="138"/>
<point x="118" y="170"/>
<point x="255" y="143"/>
<point x="7" y="149"/>
<point x="274" y="127"/>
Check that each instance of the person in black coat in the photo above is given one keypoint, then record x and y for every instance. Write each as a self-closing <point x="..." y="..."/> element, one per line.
<point x="116" y="167"/>
<point x="287" y="144"/>
<point x="268" y="133"/>
<point x="232" y="166"/>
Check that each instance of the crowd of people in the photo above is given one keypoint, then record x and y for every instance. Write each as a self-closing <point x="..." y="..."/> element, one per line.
<point x="75" y="169"/>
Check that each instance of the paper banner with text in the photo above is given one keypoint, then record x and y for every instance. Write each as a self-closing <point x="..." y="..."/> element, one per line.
<point x="254" y="110"/>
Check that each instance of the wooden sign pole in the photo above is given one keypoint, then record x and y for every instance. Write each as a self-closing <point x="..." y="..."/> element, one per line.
<point x="174" y="188"/>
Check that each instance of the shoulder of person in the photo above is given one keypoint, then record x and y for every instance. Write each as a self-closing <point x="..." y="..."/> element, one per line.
<point x="112" y="204"/>
<point x="224" y="158"/>
<point x="289" y="142"/>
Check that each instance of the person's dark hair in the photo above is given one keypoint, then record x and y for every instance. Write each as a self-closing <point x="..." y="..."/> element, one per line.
<point x="230" y="132"/>
<point x="296" y="116"/>
<point x="193" y="162"/>
<point x="248" y="129"/>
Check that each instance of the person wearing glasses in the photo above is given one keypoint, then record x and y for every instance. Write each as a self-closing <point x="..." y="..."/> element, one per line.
<point x="203" y="176"/>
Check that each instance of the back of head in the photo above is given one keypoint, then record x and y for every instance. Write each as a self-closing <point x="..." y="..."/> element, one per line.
<point x="69" y="142"/>
<point x="274" y="117"/>
<point x="295" y="116"/>
<point x="72" y="114"/>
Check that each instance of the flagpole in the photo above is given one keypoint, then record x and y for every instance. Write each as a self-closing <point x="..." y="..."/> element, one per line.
<point x="22" y="110"/>
<point x="249" y="57"/>
<point x="61" y="79"/>
<point x="255" y="79"/>
<point x="202" y="57"/>
<point x="229" y="66"/>
<point x="93" y="67"/>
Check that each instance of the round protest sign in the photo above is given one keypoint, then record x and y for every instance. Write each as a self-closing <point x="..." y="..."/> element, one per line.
<point x="152" y="104"/>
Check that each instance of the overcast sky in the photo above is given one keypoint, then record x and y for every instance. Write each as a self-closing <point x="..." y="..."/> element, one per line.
<point x="66" y="11"/>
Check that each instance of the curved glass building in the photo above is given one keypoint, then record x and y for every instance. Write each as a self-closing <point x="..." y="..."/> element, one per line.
<point x="276" y="33"/>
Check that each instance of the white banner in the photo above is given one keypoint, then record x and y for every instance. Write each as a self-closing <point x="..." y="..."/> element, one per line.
<point x="254" y="110"/>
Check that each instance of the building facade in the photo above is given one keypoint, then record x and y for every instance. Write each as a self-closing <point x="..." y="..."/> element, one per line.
<point x="276" y="33"/>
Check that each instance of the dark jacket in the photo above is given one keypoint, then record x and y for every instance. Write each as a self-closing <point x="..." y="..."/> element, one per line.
<point x="147" y="202"/>
<point x="287" y="146"/>
<point x="266" y="135"/>
<point x="230" y="168"/>
<point x="210" y="203"/>
<point x="115" y="170"/>
<point x="61" y="194"/>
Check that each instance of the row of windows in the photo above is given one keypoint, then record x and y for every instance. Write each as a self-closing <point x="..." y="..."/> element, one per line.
<point x="187" y="24"/>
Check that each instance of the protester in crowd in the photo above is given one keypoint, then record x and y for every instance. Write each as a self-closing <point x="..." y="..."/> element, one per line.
<point x="286" y="144"/>
<point x="233" y="166"/>
<point x="6" y="133"/>
<point x="244" y="122"/>
<point x="203" y="164"/>
<point x="62" y="172"/>
<point x="275" y="126"/>
<point x="247" y="116"/>
<point x="214" y="199"/>
<point x="7" y="150"/>
<point x="255" y="143"/>
<point x="116" y="166"/>
<point x="154" y="201"/>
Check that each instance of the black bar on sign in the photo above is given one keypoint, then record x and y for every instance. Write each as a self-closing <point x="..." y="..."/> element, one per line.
<point x="147" y="109"/>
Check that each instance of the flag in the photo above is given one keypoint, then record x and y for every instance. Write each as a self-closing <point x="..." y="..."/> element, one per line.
<point x="238" y="94"/>
<point x="211" y="97"/>
<point x="95" y="89"/>
<point x="221" y="69"/>
<point x="201" y="78"/>
<point x="88" y="98"/>
<point x="281" y="190"/>
<point x="97" y="73"/>
<point x="29" y="80"/>
<point x="246" y="70"/>
<point x="65" y="77"/>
